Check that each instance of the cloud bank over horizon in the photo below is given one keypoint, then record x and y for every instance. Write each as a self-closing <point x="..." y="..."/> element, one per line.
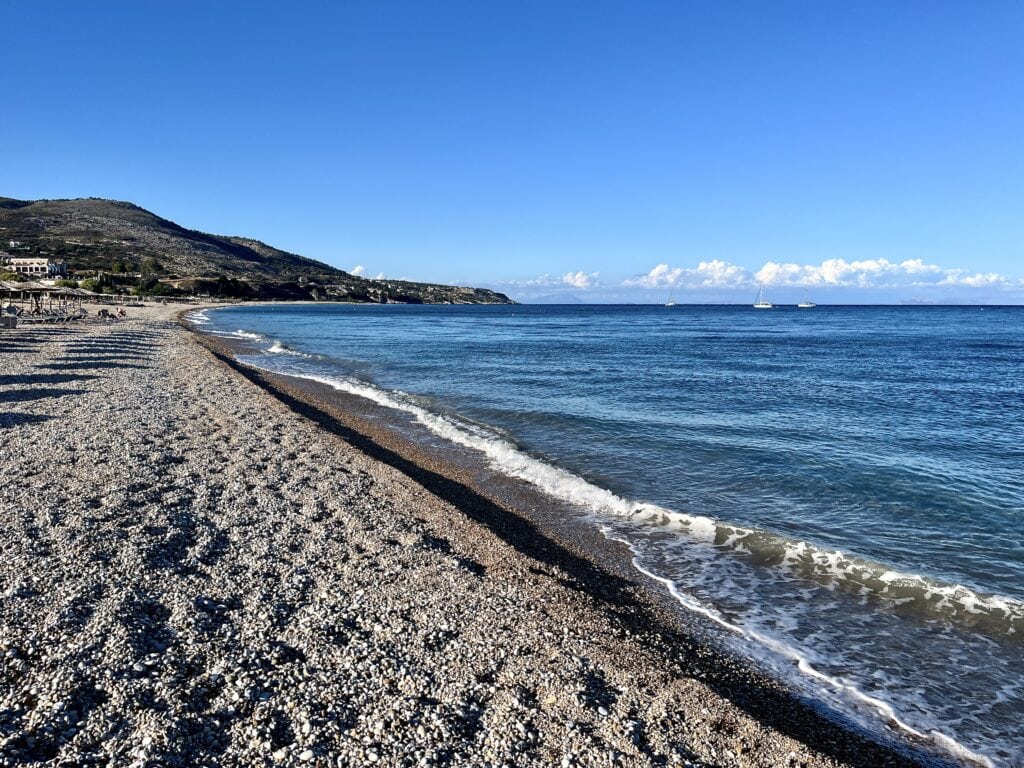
<point x="867" y="280"/>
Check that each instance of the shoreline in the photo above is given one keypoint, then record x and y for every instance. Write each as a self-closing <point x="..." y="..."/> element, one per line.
<point x="638" y="602"/>
<point x="204" y="566"/>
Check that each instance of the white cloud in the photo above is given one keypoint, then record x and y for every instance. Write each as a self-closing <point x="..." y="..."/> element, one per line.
<point x="782" y="274"/>
<point x="717" y="273"/>
<point x="830" y="273"/>
<point x="660" y="276"/>
<point x="540" y="280"/>
<point x="380" y="276"/>
<point x="837" y="272"/>
<point x="357" y="270"/>
<point x="872" y="273"/>
<point x="916" y="267"/>
<point x="977" y="280"/>
<point x="707" y="273"/>
<point x="572" y="279"/>
<point x="579" y="279"/>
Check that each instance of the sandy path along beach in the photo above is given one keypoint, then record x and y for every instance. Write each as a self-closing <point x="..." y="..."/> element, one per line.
<point x="196" y="571"/>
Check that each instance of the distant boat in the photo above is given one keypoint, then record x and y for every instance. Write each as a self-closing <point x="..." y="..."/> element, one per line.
<point x="761" y="302"/>
<point x="670" y="303"/>
<point x="806" y="303"/>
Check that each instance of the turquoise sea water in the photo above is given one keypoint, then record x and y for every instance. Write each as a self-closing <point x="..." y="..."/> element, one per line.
<point x="841" y="489"/>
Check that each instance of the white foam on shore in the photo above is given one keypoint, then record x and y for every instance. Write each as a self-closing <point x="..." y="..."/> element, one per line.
<point x="804" y="664"/>
<point x="278" y="348"/>
<point x="247" y="335"/>
<point x="506" y="457"/>
<point x="197" y="317"/>
<point x="951" y="602"/>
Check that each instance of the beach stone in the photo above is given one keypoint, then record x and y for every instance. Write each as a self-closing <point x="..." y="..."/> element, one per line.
<point x="226" y="581"/>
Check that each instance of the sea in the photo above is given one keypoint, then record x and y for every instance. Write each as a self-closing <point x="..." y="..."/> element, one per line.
<point x="838" y="490"/>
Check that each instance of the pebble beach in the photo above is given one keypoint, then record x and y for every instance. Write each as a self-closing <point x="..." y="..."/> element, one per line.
<point x="201" y="567"/>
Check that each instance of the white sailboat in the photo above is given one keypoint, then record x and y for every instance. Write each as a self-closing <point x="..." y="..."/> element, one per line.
<point x="806" y="303"/>
<point x="761" y="302"/>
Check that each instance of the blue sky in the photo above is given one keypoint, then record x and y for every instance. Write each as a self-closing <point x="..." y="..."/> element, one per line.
<point x="865" y="151"/>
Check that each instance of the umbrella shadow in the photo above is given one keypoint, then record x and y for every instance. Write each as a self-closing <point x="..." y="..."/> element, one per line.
<point x="13" y="379"/>
<point x="87" y="365"/>
<point x="10" y="419"/>
<point x="37" y="393"/>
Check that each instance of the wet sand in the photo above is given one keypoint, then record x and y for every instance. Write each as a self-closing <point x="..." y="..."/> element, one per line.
<point x="205" y="565"/>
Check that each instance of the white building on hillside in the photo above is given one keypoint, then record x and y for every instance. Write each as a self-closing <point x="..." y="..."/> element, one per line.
<point x="33" y="267"/>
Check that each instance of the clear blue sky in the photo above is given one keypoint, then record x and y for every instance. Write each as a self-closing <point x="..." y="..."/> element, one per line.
<point x="531" y="145"/>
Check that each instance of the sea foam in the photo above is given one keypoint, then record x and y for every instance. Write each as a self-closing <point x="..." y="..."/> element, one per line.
<point x="863" y="632"/>
<point x="279" y="348"/>
<point x="993" y="614"/>
<point x="197" y="317"/>
<point x="504" y="456"/>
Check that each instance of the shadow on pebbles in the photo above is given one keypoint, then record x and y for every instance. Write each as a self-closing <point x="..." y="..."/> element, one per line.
<point x="193" y="575"/>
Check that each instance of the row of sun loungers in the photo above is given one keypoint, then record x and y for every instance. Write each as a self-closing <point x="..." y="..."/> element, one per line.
<point x="51" y="316"/>
<point x="9" y="319"/>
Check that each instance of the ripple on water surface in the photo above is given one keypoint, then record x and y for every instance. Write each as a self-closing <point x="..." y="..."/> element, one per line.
<point x="841" y="488"/>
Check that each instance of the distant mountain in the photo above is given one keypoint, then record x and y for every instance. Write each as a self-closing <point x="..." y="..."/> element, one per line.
<point x="93" y="235"/>
<point x="556" y="298"/>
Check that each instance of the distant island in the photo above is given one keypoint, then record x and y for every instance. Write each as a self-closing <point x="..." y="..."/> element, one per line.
<point x="111" y="246"/>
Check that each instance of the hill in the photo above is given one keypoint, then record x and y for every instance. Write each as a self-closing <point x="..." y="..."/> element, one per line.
<point x="95" y="235"/>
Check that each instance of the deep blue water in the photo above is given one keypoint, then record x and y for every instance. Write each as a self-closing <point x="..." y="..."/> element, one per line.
<point x="841" y="487"/>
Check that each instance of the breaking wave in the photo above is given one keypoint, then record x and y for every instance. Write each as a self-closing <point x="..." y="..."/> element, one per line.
<point x="197" y="317"/>
<point x="990" y="614"/>
<point x="908" y="593"/>
<point x="279" y="348"/>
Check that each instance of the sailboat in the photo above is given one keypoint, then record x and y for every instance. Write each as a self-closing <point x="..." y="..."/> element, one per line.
<point x="761" y="302"/>
<point x="806" y="303"/>
<point x="671" y="302"/>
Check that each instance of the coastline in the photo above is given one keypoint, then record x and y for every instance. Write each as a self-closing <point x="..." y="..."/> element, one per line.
<point x="528" y="520"/>
<point x="409" y="616"/>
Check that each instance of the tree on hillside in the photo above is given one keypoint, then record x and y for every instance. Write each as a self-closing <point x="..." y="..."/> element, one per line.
<point x="150" y="266"/>
<point x="99" y="284"/>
